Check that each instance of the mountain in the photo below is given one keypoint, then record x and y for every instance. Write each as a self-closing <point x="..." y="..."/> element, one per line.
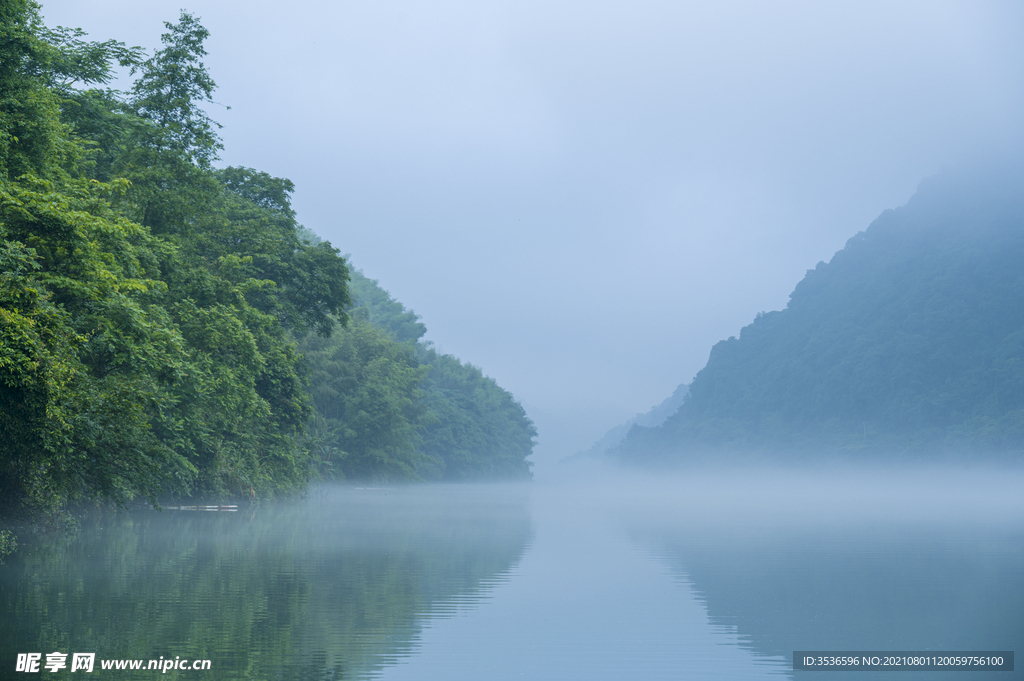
<point x="654" y="417"/>
<point x="909" y="343"/>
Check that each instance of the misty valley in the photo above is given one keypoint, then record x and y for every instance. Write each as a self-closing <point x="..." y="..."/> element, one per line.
<point x="227" y="452"/>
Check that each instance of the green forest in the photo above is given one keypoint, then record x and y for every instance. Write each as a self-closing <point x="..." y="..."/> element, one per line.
<point x="907" y="345"/>
<point x="167" y="328"/>
<point x="388" y="406"/>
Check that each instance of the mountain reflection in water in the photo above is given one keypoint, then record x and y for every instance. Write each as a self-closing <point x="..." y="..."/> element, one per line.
<point x="709" y="575"/>
<point x="898" y="560"/>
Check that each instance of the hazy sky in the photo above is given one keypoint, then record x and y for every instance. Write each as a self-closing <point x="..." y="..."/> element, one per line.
<point x="583" y="197"/>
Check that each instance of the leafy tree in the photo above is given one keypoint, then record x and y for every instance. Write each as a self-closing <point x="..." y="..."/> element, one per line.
<point x="254" y="219"/>
<point x="173" y="84"/>
<point x="365" y="388"/>
<point x="238" y="280"/>
<point x="160" y="138"/>
<point x="468" y="427"/>
<point x="133" y="363"/>
<point x="478" y="430"/>
<point x="32" y="138"/>
<point x="385" y="312"/>
<point x="86" y="352"/>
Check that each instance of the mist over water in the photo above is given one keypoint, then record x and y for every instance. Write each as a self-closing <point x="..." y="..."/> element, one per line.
<point x="705" y="574"/>
<point x="797" y="495"/>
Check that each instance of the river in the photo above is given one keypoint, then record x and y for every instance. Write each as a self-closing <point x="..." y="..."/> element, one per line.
<point x="702" y="576"/>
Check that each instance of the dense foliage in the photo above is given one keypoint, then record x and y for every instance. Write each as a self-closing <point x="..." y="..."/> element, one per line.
<point x="390" y="407"/>
<point x="150" y="303"/>
<point x="909" y="343"/>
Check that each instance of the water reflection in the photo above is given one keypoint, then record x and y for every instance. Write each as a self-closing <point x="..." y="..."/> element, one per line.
<point x="334" y="587"/>
<point x="854" y="564"/>
<point x="701" y="576"/>
<point x="584" y="603"/>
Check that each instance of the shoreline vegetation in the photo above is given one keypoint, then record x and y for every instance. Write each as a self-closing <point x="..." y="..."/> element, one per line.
<point x="169" y="330"/>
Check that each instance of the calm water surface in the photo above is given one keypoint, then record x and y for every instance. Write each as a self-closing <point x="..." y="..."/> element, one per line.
<point x="705" y="576"/>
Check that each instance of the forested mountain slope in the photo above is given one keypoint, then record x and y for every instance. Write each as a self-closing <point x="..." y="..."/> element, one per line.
<point x="151" y="304"/>
<point x="390" y="407"/>
<point x="146" y="298"/>
<point x="909" y="343"/>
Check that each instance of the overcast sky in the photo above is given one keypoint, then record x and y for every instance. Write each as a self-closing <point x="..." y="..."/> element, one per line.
<point x="583" y="197"/>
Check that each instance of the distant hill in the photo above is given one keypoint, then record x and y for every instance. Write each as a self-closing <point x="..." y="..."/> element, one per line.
<point x="909" y="343"/>
<point x="654" y="417"/>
